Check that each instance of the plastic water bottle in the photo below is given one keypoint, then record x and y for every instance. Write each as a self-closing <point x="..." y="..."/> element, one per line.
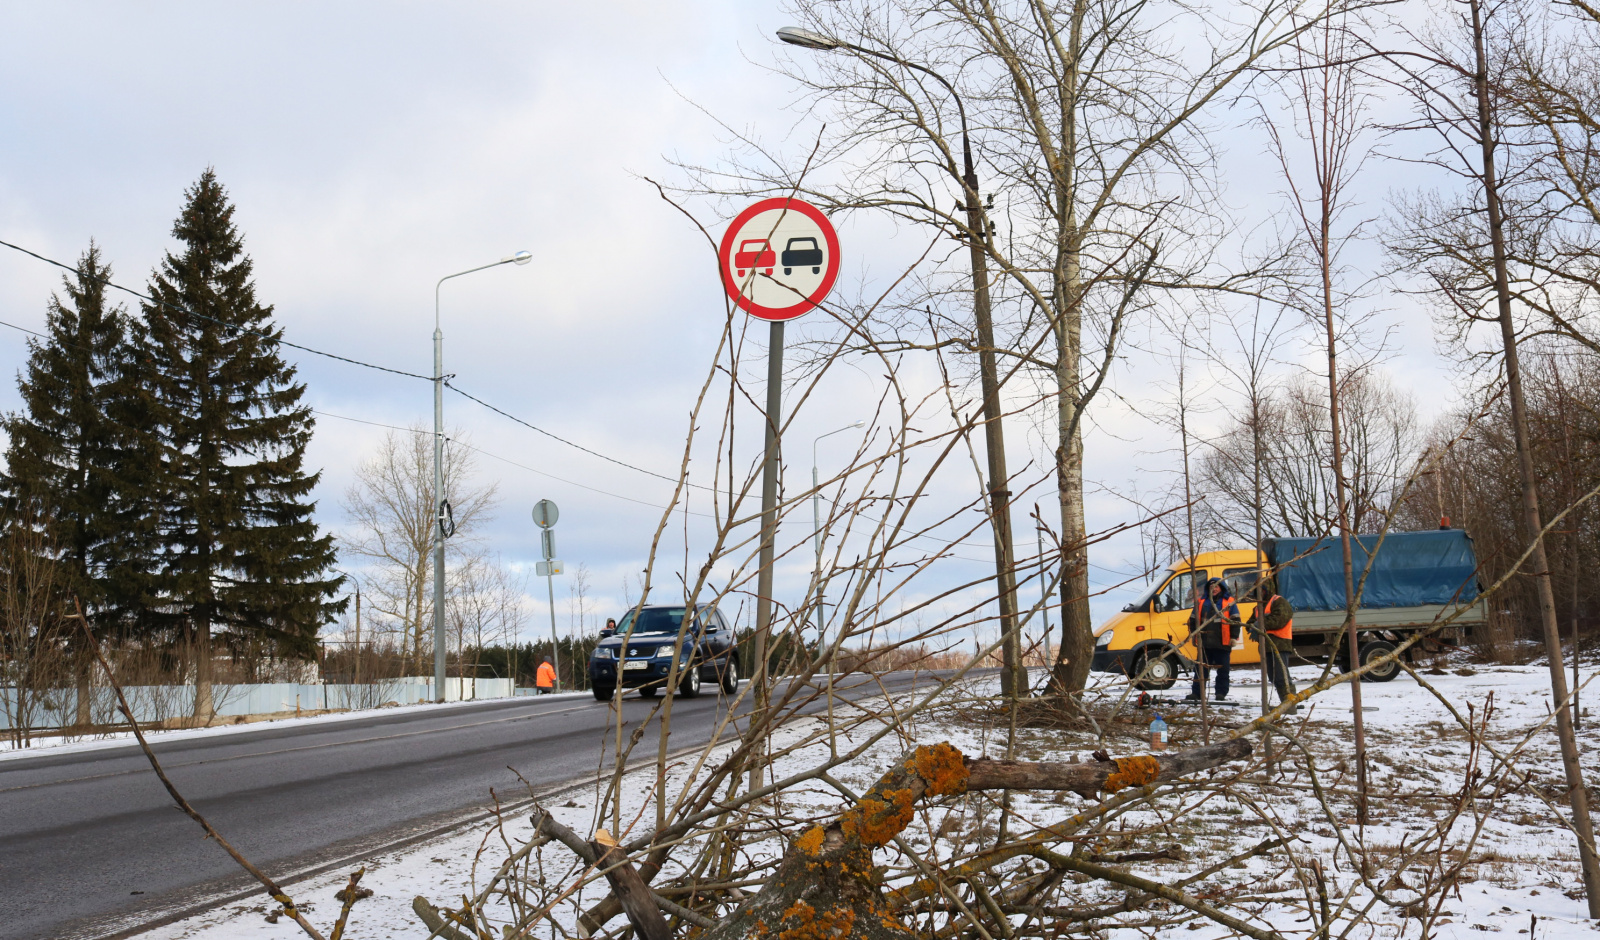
<point x="1158" y="734"/>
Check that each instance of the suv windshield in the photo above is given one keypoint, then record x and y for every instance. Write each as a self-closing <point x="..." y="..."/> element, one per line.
<point x="652" y="620"/>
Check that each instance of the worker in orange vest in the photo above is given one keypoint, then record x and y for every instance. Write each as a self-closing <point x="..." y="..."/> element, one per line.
<point x="545" y="679"/>
<point x="1214" y="623"/>
<point x="1272" y="625"/>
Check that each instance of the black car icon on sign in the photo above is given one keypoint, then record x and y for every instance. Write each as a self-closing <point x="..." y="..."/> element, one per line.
<point x="802" y="253"/>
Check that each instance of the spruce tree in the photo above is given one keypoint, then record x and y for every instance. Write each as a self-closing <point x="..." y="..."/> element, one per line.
<point x="72" y="448"/>
<point x="240" y="553"/>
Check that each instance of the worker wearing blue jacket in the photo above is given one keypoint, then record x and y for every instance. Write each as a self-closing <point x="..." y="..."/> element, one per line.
<point x="1213" y="623"/>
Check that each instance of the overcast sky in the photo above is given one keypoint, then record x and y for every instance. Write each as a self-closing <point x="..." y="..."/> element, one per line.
<point x="373" y="148"/>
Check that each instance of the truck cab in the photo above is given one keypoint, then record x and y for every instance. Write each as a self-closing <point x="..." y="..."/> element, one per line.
<point x="1149" y="641"/>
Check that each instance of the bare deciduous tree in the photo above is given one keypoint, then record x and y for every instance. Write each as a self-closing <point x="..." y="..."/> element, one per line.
<point x="390" y="505"/>
<point x="1288" y="422"/>
<point x="34" y="628"/>
<point x="1458" y="76"/>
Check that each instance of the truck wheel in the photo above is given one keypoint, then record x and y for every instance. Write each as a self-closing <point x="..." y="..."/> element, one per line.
<point x="1371" y="651"/>
<point x="788" y="270"/>
<point x="1154" y="672"/>
<point x="603" y="693"/>
<point x="730" y="674"/>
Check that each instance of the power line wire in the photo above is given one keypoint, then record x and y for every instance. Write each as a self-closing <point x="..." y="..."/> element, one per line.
<point x="232" y="326"/>
<point x="557" y="437"/>
<point x="461" y="443"/>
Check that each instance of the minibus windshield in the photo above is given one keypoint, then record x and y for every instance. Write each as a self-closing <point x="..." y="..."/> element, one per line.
<point x="1148" y="594"/>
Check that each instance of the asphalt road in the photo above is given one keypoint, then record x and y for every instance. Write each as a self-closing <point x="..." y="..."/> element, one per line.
<point x="92" y="846"/>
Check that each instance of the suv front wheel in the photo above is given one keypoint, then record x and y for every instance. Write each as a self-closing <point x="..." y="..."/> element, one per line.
<point x="689" y="682"/>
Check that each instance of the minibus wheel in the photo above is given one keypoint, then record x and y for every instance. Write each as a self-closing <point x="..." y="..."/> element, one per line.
<point x="1154" y="672"/>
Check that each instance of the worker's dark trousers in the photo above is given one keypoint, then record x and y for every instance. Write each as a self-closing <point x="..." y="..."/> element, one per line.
<point x="1212" y="657"/>
<point x="1277" y="670"/>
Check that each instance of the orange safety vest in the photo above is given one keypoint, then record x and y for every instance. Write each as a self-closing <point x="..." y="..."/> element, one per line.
<point x="1230" y="606"/>
<point x="1285" y="632"/>
<point x="546" y="677"/>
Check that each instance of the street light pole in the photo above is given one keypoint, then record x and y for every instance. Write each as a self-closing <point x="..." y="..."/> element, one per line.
<point x="439" y="502"/>
<point x="1011" y="677"/>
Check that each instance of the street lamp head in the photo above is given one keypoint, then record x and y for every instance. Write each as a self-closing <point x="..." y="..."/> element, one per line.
<point x="795" y="36"/>
<point x="521" y="257"/>
<point x="859" y="424"/>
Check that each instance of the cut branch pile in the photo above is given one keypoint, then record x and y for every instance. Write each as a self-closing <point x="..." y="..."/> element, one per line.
<point x="827" y="887"/>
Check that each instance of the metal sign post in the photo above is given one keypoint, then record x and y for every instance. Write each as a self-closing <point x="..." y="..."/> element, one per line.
<point x="545" y="515"/>
<point x="792" y="237"/>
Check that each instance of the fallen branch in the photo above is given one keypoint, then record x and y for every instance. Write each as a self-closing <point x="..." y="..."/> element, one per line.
<point x="824" y="885"/>
<point x="644" y="913"/>
<point x="548" y="826"/>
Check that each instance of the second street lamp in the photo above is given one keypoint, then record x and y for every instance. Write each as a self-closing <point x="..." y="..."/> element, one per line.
<point x="1012" y="682"/>
<point x="441" y="507"/>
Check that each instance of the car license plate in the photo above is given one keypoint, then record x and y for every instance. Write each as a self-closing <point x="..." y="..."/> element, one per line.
<point x="633" y="664"/>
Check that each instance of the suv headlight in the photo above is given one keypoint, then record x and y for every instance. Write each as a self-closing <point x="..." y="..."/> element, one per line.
<point x="603" y="652"/>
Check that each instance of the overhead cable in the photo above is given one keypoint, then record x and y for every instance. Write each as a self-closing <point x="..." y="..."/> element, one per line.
<point x="556" y="437"/>
<point x="148" y="299"/>
<point x="461" y="443"/>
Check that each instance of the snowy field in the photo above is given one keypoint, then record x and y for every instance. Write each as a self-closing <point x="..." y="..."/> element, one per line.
<point x="1506" y="866"/>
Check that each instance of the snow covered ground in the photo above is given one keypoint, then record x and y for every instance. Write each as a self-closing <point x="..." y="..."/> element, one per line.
<point x="1506" y="859"/>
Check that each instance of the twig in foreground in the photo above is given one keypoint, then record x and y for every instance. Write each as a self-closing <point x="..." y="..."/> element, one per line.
<point x="273" y="890"/>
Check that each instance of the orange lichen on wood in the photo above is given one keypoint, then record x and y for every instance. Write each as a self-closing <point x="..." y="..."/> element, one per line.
<point x="802" y="922"/>
<point x="1133" y="772"/>
<point x="810" y="842"/>
<point x="876" y="820"/>
<point x="886" y="810"/>
<point x="942" y="767"/>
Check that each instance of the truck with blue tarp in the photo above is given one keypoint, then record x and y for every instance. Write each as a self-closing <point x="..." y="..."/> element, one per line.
<point x="1413" y="581"/>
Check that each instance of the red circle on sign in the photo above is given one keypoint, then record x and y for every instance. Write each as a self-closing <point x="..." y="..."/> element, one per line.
<point x="733" y="236"/>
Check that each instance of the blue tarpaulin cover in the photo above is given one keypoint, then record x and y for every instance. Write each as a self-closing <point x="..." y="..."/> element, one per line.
<point x="1410" y="569"/>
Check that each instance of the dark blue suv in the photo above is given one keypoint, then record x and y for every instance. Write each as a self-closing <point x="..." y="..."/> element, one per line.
<point x="643" y="657"/>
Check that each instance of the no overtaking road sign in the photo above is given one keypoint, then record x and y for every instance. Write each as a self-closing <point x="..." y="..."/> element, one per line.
<point x="779" y="258"/>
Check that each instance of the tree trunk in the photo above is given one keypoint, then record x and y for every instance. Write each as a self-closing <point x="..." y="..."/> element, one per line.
<point x="204" y="710"/>
<point x="1071" y="672"/>
<point x="1532" y="523"/>
<point x="1077" y="626"/>
<point x="84" y="713"/>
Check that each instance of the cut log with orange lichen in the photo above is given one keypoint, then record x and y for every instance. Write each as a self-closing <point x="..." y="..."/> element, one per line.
<point x="825" y="887"/>
<point x="1132" y="772"/>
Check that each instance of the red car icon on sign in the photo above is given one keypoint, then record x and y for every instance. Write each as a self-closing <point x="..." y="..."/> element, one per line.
<point x="760" y="255"/>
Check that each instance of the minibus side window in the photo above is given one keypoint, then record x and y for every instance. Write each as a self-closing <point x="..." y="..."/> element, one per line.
<point x="1241" y="581"/>
<point x="1179" y="592"/>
